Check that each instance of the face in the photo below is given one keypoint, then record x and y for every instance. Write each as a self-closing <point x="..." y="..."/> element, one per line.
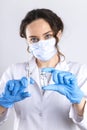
<point x="38" y="30"/>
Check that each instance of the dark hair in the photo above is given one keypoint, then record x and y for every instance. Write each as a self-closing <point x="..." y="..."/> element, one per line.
<point x="54" y="21"/>
<point x="49" y="16"/>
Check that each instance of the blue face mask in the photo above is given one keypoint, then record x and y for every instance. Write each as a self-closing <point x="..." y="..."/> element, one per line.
<point x="43" y="50"/>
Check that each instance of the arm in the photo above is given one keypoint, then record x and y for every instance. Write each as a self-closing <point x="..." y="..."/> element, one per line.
<point x="4" y="112"/>
<point x="66" y="84"/>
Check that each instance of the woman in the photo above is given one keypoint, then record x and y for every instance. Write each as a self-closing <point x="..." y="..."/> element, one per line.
<point x="55" y="98"/>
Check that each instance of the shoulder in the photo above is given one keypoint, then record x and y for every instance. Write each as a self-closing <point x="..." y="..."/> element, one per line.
<point x="13" y="69"/>
<point x="75" y="66"/>
<point x="80" y="70"/>
<point x="16" y="66"/>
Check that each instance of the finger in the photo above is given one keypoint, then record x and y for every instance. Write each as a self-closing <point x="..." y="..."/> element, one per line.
<point x="22" y="96"/>
<point x="62" y="76"/>
<point x="24" y="82"/>
<point x="24" y="85"/>
<point x="17" y="87"/>
<point x="73" y="82"/>
<point x="31" y="81"/>
<point x="10" y="85"/>
<point x="58" y="76"/>
<point x="8" y="88"/>
<point x="68" y="79"/>
<point x="25" y="94"/>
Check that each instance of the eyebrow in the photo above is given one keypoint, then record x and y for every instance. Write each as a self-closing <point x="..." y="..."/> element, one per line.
<point x="43" y="34"/>
<point x="47" y="32"/>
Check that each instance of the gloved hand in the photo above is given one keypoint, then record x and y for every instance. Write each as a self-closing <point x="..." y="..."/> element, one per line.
<point x="14" y="92"/>
<point x="65" y="83"/>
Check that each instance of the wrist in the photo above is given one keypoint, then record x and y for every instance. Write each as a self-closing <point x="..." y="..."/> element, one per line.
<point x="2" y="109"/>
<point x="80" y="107"/>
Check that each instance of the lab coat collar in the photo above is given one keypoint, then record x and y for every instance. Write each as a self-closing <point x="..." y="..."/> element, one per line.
<point x="62" y="65"/>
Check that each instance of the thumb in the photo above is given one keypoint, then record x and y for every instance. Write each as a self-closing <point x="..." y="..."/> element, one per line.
<point x="24" y="81"/>
<point x="54" y="87"/>
<point x="31" y="81"/>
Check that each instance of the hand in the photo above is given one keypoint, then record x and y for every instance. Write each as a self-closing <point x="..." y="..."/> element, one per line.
<point x="14" y="92"/>
<point x="65" y="83"/>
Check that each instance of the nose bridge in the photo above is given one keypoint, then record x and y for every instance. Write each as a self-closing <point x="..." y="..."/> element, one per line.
<point x="41" y="37"/>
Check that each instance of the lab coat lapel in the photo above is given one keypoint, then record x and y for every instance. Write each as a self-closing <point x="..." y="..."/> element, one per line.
<point x="34" y="72"/>
<point x="62" y="66"/>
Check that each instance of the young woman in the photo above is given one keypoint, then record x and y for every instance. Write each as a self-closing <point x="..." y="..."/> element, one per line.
<point x="55" y="97"/>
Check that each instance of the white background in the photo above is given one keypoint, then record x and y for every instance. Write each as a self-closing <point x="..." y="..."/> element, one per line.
<point x="13" y="48"/>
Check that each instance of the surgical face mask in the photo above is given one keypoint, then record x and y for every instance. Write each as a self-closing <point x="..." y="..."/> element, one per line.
<point x="43" y="50"/>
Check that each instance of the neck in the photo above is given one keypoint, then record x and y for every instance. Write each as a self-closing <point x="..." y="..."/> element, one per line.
<point x="51" y="63"/>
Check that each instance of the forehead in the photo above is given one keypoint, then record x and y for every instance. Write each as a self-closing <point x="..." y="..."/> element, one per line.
<point x="38" y="27"/>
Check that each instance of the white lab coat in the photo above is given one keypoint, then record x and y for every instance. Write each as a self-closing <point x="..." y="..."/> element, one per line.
<point x="48" y="111"/>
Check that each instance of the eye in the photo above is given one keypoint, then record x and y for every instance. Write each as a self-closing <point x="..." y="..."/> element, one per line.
<point x="34" y="40"/>
<point x="48" y="36"/>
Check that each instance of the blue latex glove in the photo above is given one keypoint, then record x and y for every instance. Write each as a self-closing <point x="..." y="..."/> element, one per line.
<point x="14" y="92"/>
<point x="65" y="83"/>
